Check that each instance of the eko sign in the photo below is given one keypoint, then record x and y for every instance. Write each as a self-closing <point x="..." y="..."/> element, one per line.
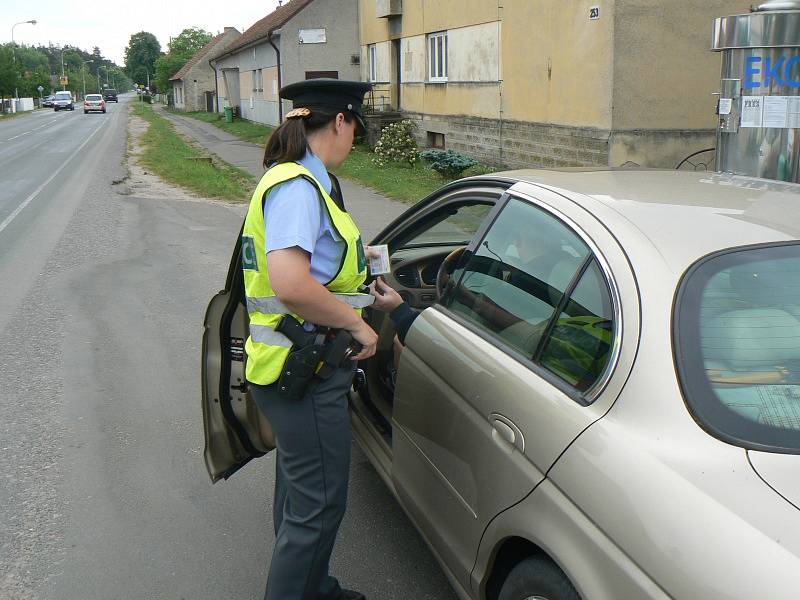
<point x="762" y="72"/>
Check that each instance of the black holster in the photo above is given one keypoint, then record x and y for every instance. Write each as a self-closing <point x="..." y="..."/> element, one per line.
<point x="317" y="353"/>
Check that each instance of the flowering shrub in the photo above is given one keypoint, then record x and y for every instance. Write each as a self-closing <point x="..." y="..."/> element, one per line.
<point x="448" y="163"/>
<point x="396" y="144"/>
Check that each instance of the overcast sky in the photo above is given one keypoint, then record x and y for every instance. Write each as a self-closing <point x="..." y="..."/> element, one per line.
<point x="110" y="24"/>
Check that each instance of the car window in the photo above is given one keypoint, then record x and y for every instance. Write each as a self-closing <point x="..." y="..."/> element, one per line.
<point x="454" y="224"/>
<point x="63" y="95"/>
<point x="515" y="280"/>
<point x="94" y="97"/>
<point x="579" y="345"/>
<point x="737" y="345"/>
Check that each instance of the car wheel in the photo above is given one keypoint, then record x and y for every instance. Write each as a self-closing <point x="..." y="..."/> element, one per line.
<point x="55" y="109"/>
<point x="86" y="112"/>
<point x="540" y="578"/>
<point x="104" y="111"/>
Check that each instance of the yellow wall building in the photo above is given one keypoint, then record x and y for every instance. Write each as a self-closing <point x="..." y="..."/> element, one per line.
<point x="549" y="82"/>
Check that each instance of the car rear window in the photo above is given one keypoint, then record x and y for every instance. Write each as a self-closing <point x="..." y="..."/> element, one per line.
<point x="94" y="97"/>
<point x="737" y="345"/>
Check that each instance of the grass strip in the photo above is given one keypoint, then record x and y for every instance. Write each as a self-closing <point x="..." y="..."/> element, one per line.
<point x="168" y="155"/>
<point x="255" y="133"/>
<point x="397" y="181"/>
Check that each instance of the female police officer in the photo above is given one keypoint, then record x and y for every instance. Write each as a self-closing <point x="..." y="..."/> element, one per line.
<point x="308" y="263"/>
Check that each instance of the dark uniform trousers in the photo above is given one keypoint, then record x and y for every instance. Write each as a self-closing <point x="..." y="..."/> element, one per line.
<point x="312" y="470"/>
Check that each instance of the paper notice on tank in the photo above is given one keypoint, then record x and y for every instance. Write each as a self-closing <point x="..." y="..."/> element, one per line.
<point x="775" y="111"/>
<point x="725" y="105"/>
<point x="752" y="111"/>
<point x="793" y="113"/>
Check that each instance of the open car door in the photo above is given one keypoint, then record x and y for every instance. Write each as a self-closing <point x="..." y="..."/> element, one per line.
<point x="235" y="429"/>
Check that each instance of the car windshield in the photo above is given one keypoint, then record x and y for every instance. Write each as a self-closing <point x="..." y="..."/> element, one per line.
<point x="111" y="91"/>
<point x="63" y="96"/>
<point x="94" y="97"/>
<point x="737" y="345"/>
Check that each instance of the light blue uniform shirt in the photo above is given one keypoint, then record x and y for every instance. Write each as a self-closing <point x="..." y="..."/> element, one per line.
<point x="295" y="216"/>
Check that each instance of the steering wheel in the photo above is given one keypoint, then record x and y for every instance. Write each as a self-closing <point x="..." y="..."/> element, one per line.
<point x="443" y="275"/>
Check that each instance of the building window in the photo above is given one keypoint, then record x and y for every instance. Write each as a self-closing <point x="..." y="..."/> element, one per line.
<point x="260" y="80"/>
<point x="437" y="56"/>
<point x="435" y="140"/>
<point x="254" y="80"/>
<point x="372" y="52"/>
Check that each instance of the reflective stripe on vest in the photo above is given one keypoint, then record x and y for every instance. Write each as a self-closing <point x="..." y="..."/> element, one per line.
<point x="267" y="349"/>
<point x="271" y="304"/>
<point x="267" y="335"/>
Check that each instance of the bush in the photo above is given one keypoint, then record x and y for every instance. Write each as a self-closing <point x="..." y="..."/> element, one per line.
<point x="396" y="144"/>
<point x="147" y="98"/>
<point x="448" y="163"/>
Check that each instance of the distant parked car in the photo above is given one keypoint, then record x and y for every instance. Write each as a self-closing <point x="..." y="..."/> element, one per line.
<point x="48" y="101"/>
<point x="63" y="100"/>
<point x="110" y="95"/>
<point x="94" y="102"/>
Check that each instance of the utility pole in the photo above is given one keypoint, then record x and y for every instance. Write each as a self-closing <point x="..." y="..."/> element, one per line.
<point x="14" y="59"/>
<point x="62" y="68"/>
<point x="83" y="75"/>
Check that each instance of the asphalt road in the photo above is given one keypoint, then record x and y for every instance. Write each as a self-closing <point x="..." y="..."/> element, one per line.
<point x="103" y="492"/>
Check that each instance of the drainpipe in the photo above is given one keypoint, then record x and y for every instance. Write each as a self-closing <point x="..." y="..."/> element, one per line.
<point x="278" y="58"/>
<point x="216" y="83"/>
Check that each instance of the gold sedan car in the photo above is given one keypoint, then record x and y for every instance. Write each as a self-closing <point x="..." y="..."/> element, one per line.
<point x="600" y="397"/>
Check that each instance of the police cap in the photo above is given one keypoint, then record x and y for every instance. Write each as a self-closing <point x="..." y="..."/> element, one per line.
<point x="334" y="95"/>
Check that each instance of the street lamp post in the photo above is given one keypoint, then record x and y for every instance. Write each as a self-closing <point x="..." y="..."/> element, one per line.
<point x="83" y="75"/>
<point x="62" y="68"/>
<point x="14" y="58"/>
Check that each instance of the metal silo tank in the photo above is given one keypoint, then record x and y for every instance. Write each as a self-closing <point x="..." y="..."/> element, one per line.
<point x="759" y="107"/>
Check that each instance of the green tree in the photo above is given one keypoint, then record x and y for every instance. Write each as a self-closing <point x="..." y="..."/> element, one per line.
<point x="140" y="56"/>
<point x="7" y="72"/>
<point x="181" y="49"/>
<point x="189" y="41"/>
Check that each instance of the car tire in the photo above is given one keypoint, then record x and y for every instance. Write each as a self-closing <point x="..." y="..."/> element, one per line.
<point x="55" y="108"/>
<point x="104" y="111"/>
<point x="537" y="577"/>
<point x="86" y="112"/>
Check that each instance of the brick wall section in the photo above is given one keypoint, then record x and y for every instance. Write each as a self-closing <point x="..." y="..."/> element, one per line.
<point x="523" y="144"/>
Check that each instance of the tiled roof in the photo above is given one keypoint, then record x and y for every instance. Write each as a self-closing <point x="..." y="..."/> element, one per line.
<point x="196" y="58"/>
<point x="261" y="29"/>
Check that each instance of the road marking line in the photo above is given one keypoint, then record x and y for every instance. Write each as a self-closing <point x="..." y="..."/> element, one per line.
<point x="28" y="200"/>
<point x="18" y="136"/>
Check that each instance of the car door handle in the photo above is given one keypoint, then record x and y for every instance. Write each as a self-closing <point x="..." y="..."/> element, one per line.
<point x="507" y="431"/>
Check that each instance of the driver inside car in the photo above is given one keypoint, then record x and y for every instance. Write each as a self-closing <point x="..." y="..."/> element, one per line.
<point x="529" y="256"/>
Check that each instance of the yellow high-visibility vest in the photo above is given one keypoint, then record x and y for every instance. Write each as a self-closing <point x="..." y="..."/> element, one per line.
<point x="266" y="348"/>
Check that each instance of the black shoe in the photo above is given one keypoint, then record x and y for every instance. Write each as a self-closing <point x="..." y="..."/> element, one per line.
<point x="351" y="595"/>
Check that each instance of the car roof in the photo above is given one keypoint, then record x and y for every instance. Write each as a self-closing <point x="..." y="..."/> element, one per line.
<point x="89" y="95"/>
<point x="64" y="93"/>
<point x="684" y="214"/>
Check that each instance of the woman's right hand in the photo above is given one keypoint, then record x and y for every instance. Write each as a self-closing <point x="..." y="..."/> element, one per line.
<point x="366" y="336"/>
